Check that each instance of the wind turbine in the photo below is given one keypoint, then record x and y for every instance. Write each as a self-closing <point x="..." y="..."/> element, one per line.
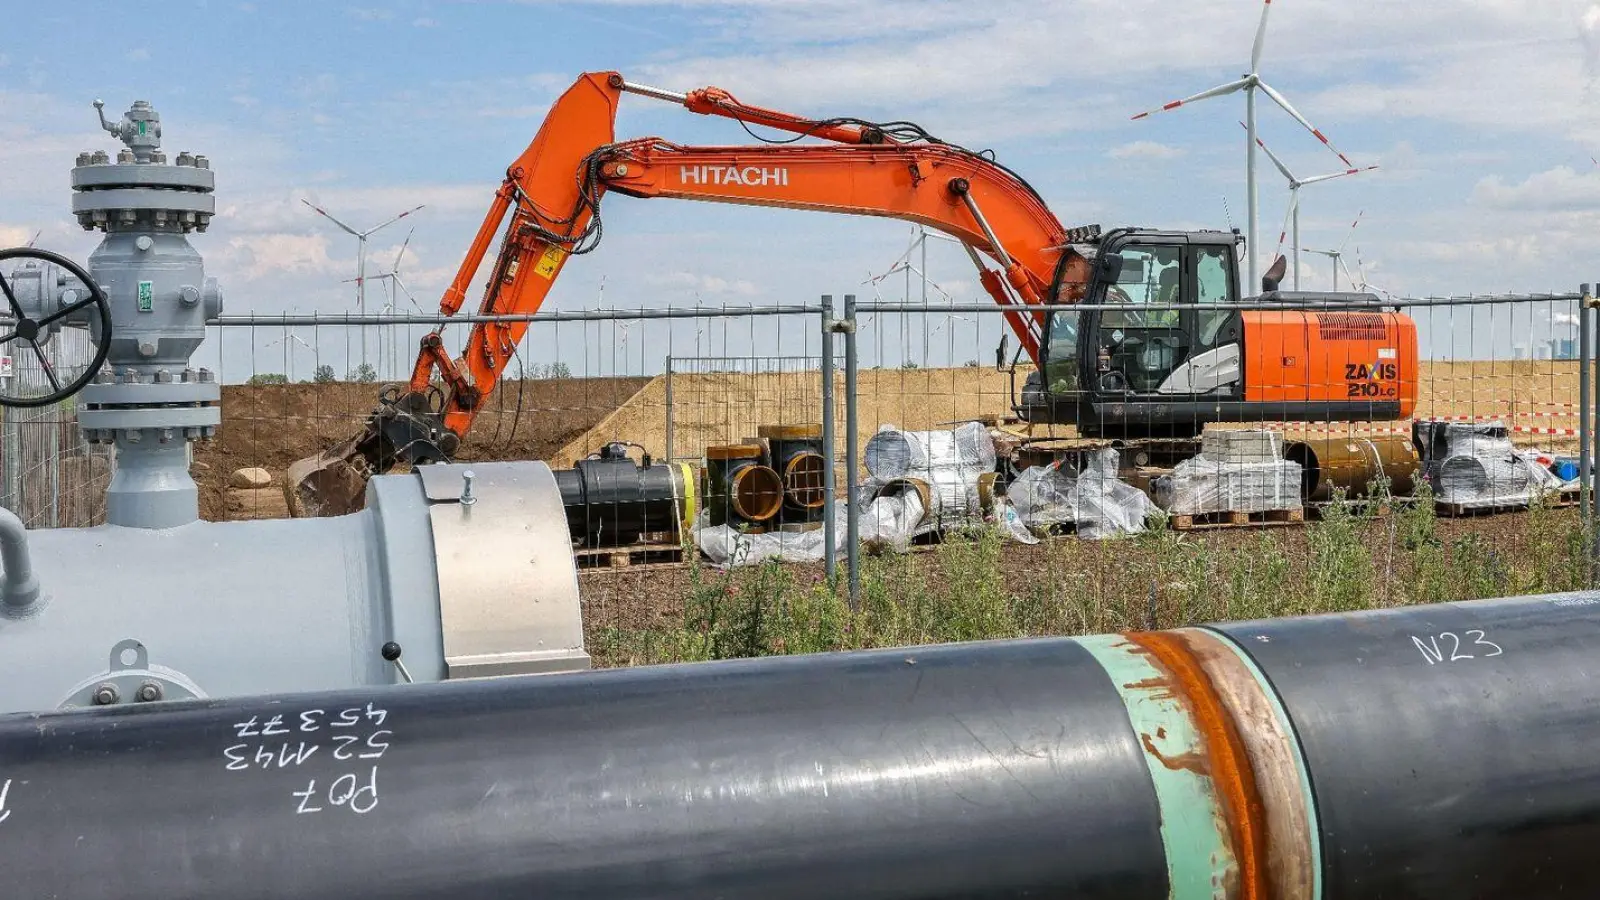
<point x="1295" y="184"/>
<point x="1250" y="83"/>
<point x="361" y="258"/>
<point x="1338" y="255"/>
<point x="288" y="354"/>
<point x="1366" y="285"/>
<point x="397" y="286"/>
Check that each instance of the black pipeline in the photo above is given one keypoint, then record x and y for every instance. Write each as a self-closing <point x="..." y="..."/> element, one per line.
<point x="612" y="501"/>
<point x="1435" y="752"/>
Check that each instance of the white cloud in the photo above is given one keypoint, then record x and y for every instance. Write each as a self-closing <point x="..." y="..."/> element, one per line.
<point x="704" y="284"/>
<point x="137" y="54"/>
<point x="15" y="235"/>
<point x="371" y="14"/>
<point x="1145" y="150"/>
<point x="263" y="255"/>
<point x="423" y="22"/>
<point x="1557" y="190"/>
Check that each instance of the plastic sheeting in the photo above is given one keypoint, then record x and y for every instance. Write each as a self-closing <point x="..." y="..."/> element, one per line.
<point x="1199" y="486"/>
<point x="893" y="453"/>
<point x="1481" y="468"/>
<point x="887" y="522"/>
<point x="1095" y="500"/>
<point x="948" y="462"/>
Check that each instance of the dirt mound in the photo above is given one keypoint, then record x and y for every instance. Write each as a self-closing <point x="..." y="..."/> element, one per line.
<point x="271" y="426"/>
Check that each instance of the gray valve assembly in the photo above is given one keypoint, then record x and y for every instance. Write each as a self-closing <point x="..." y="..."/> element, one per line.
<point x="449" y="572"/>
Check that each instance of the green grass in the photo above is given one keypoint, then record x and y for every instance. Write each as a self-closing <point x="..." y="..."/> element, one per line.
<point x="1352" y="558"/>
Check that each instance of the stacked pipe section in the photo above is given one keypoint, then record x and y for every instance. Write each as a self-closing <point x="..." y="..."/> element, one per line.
<point x="1354" y="465"/>
<point x="795" y="452"/>
<point x="741" y="490"/>
<point x="950" y="472"/>
<point x="1436" y="752"/>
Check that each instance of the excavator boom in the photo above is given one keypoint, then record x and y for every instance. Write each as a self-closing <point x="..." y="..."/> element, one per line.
<point x="552" y="195"/>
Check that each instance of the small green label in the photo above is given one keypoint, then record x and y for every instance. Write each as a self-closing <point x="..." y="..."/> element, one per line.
<point x="147" y="296"/>
<point x="141" y="128"/>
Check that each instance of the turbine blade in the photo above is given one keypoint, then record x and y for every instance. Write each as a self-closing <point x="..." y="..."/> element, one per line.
<point x="1217" y="91"/>
<point x="1330" y="177"/>
<point x="1261" y="38"/>
<point x="1272" y="156"/>
<point x="1353" y="225"/>
<point x="1288" y="216"/>
<point x="1288" y="108"/>
<point x="1353" y="280"/>
<point x="329" y="216"/>
<point x="408" y="212"/>
<point x="403" y="246"/>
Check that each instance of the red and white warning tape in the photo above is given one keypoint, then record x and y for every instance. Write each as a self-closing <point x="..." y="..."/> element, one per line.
<point x="1367" y="429"/>
<point x="1562" y="432"/>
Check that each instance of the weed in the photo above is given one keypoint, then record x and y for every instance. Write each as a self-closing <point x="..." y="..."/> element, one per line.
<point x="970" y="587"/>
<point x="1341" y="573"/>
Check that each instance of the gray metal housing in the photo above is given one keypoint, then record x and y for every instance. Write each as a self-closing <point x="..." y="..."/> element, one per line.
<point x="147" y="401"/>
<point x="230" y="609"/>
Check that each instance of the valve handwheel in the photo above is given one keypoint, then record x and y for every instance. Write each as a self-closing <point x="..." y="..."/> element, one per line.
<point x="22" y="328"/>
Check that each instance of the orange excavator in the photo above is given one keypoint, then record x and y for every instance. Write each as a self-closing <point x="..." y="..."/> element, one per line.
<point x="1153" y="352"/>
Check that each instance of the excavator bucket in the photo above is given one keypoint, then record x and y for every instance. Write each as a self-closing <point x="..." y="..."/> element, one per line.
<point x="405" y="428"/>
<point x="330" y="483"/>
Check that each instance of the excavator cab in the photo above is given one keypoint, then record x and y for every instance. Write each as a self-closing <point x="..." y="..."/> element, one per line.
<point x="1143" y="368"/>
<point x="1156" y="350"/>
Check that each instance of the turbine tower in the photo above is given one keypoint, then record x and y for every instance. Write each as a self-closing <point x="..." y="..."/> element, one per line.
<point x="1293" y="214"/>
<point x="1250" y="83"/>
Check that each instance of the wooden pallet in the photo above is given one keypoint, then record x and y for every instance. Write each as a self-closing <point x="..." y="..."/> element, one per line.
<point x="1562" y="500"/>
<point x="1236" y="519"/>
<point x="1567" y="499"/>
<point x="1464" y="510"/>
<point x="632" y="555"/>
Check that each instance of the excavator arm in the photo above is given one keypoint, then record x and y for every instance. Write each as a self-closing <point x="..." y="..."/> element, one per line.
<point x="552" y="194"/>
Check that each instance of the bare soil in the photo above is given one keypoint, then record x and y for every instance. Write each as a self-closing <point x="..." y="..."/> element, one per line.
<point x="271" y="426"/>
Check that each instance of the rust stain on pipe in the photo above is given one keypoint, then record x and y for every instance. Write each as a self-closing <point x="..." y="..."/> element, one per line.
<point x="1228" y="764"/>
<point x="1273" y="753"/>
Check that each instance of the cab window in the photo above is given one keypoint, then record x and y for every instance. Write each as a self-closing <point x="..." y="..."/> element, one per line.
<point x="1212" y="266"/>
<point x="1150" y="275"/>
<point x="1061" y="353"/>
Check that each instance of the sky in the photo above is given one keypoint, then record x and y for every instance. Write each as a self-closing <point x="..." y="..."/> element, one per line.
<point x="1481" y="115"/>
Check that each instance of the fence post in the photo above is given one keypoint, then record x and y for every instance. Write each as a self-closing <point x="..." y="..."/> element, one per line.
<point x="11" y="451"/>
<point x="830" y="553"/>
<point x="852" y="534"/>
<point x="671" y="411"/>
<point x="1591" y="441"/>
<point x="1584" y="439"/>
